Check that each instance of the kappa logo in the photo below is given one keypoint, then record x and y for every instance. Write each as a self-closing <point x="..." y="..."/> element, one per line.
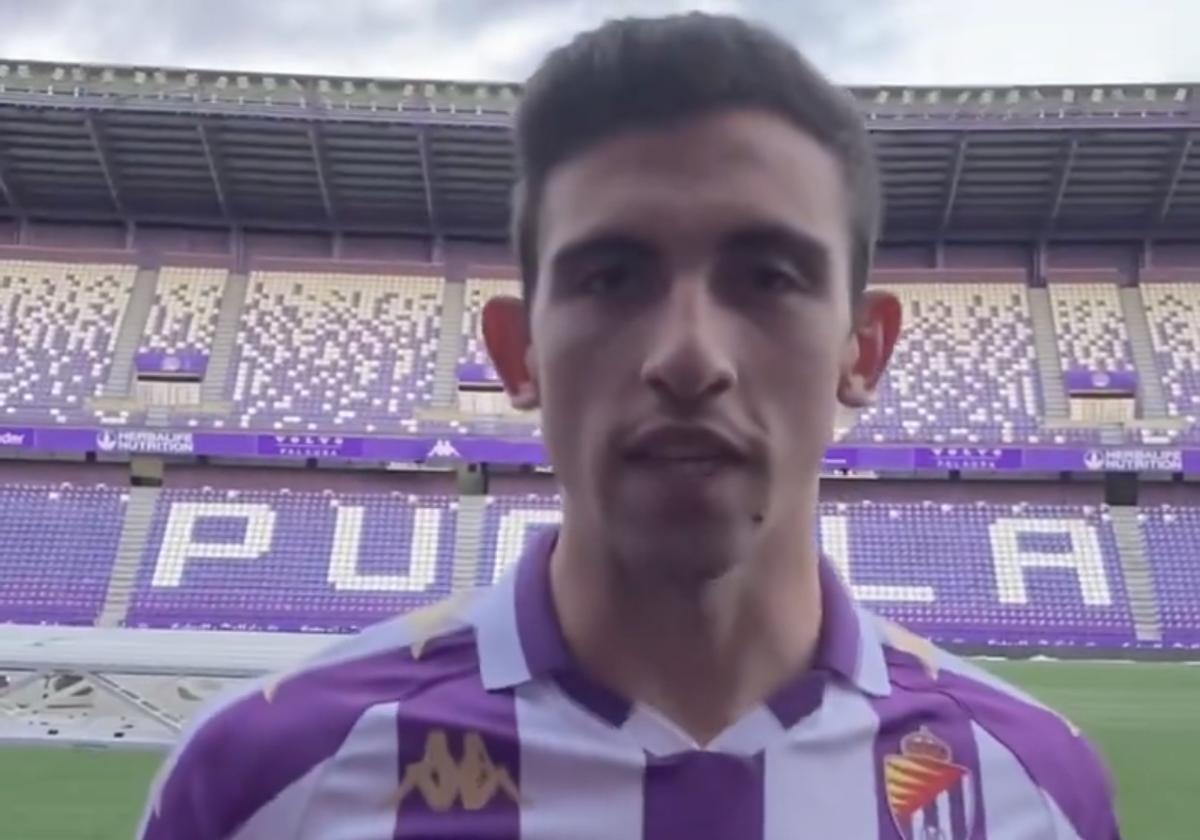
<point x="930" y="796"/>
<point x="442" y="449"/>
<point x="442" y="782"/>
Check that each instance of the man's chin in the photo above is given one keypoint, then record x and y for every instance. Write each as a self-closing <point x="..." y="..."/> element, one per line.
<point x="683" y="553"/>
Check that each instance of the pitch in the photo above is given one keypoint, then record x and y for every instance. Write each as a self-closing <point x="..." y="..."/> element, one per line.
<point x="1144" y="716"/>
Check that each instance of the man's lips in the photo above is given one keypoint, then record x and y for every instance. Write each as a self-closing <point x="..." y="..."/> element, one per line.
<point x="682" y="445"/>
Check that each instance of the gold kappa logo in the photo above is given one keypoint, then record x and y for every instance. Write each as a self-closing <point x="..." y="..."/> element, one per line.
<point x="442" y="781"/>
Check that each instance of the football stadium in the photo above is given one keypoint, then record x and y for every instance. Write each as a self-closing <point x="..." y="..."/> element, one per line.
<point x="245" y="403"/>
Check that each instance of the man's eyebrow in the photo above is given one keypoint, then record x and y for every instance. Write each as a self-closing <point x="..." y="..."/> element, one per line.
<point x="601" y="244"/>
<point x="809" y="252"/>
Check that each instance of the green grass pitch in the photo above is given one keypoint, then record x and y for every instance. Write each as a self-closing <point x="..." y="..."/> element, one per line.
<point x="1145" y="717"/>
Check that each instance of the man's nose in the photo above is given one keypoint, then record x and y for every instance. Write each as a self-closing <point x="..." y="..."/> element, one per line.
<point x="689" y="359"/>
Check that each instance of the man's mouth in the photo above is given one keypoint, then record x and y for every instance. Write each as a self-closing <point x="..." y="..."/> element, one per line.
<point x="691" y="450"/>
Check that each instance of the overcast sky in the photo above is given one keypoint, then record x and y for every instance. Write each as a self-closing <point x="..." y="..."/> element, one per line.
<point x="921" y="42"/>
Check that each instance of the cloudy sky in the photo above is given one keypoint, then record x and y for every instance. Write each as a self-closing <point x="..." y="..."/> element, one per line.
<point x="856" y="41"/>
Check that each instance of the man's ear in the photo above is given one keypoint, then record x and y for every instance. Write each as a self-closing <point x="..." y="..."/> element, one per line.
<point x="876" y="328"/>
<point x="506" y="334"/>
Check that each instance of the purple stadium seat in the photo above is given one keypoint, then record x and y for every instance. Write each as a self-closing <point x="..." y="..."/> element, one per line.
<point x="1173" y="310"/>
<point x="335" y="352"/>
<point x="58" y="327"/>
<point x="965" y="369"/>
<point x="183" y="318"/>
<point x="287" y="560"/>
<point x="57" y="546"/>
<point x="981" y="574"/>
<point x="1173" y="548"/>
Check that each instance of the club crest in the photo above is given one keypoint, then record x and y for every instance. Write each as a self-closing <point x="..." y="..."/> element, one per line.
<point x="929" y="795"/>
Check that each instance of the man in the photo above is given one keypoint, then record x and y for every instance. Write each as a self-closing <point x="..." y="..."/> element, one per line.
<point x="694" y="224"/>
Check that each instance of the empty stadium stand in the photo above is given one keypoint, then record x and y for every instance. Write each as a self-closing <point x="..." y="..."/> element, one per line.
<point x="1090" y="327"/>
<point x="57" y="546"/>
<point x="291" y="560"/>
<point x="335" y="352"/>
<point x="473" y="363"/>
<point x="974" y="573"/>
<point x="1173" y="310"/>
<point x="183" y="318"/>
<point x="58" y="327"/>
<point x="1172" y="537"/>
<point x="968" y="373"/>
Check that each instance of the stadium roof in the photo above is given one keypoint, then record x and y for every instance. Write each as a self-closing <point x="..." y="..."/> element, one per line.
<point x="211" y="148"/>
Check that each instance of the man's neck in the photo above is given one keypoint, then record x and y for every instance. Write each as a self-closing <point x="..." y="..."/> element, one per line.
<point x="701" y="656"/>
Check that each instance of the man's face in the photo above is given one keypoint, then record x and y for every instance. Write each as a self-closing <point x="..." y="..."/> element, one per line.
<point x="691" y="334"/>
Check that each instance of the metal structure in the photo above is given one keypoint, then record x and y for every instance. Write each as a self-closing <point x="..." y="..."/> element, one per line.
<point x="126" y="689"/>
<point x="428" y="158"/>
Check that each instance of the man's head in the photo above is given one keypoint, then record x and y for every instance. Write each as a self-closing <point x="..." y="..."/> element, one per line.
<point x="694" y="222"/>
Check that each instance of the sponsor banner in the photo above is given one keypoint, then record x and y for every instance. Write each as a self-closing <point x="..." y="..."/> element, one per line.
<point x="185" y="363"/>
<point x="21" y="438"/>
<point x="476" y="449"/>
<point x="310" y="446"/>
<point x="882" y="457"/>
<point x="840" y="458"/>
<point x="1080" y="381"/>
<point x="1191" y="461"/>
<point x="408" y="450"/>
<point x="146" y="442"/>
<point x="479" y="449"/>
<point x="985" y="458"/>
<point x="1134" y="460"/>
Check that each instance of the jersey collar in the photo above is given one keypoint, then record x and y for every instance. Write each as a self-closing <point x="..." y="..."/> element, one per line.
<point x="520" y="639"/>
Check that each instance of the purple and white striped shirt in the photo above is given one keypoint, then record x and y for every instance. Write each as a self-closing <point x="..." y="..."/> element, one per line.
<point x="468" y="720"/>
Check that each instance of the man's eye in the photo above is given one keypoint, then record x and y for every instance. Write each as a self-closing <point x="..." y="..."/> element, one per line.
<point x="770" y="278"/>
<point x="605" y="281"/>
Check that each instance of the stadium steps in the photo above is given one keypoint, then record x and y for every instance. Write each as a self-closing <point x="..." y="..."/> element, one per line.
<point x="229" y="319"/>
<point x="1151" y="399"/>
<point x="1139" y="583"/>
<point x="445" y="377"/>
<point x="135" y="531"/>
<point x="130" y="332"/>
<point x="1045" y="342"/>
<point x="468" y="538"/>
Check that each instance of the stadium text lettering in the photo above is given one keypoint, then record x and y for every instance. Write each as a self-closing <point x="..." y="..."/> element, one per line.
<point x="181" y="545"/>
<point x="157" y="443"/>
<point x="1015" y="546"/>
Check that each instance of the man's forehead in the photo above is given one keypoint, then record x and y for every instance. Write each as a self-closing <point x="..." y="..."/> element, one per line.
<point x="696" y="177"/>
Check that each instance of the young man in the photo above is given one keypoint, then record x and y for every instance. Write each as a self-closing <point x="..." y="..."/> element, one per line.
<point x="694" y="223"/>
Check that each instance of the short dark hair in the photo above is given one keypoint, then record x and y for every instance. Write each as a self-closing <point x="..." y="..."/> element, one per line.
<point x="649" y="72"/>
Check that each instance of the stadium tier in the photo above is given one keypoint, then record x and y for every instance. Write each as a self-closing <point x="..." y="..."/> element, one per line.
<point x="183" y="319"/>
<point x="473" y="363"/>
<point x="58" y="329"/>
<point x="980" y="573"/>
<point x="57" y="547"/>
<point x="968" y="370"/>
<point x="1090" y="326"/>
<point x="263" y="560"/>
<point x="343" y="351"/>
<point x="335" y="352"/>
<point x="1173" y="310"/>
<point x="1173" y="549"/>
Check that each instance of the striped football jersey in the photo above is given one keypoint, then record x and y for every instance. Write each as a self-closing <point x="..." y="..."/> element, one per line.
<point x="469" y="720"/>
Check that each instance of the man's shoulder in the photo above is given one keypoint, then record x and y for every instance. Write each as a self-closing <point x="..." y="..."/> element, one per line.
<point x="247" y="748"/>
<point x="1018" y="742"/>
